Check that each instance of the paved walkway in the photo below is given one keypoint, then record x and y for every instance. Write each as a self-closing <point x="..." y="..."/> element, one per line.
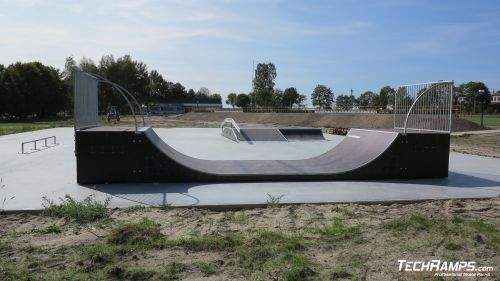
<point x="52" y="172"/>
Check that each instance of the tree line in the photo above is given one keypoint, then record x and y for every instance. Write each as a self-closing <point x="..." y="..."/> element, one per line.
<point x="264" y="94"/>
<point x="36" y="90"/>
<point x="475" y="97"/>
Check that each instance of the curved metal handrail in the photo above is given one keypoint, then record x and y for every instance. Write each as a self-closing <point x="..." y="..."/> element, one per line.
<point x="125" y="97"/>
<point x="124" y="93"/>
<point x="118" y="87"/>
<point x="415" y="102"/>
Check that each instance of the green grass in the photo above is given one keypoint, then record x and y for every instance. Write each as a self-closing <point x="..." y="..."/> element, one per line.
<point x="338" y="230"/>
<point x="488" y="121"/>
<point x="486" y="233"/>
<point x="414" y="222"/>
<point x="273" y="200"/>
<point x="172" y="271"/>
<point x="341" y="273"/>
<point x="165" y="207"/>
<point x="346" y="212"/>
<point x="53" y="228"/>
<point x="85" y="211"/>
<point x="7" y="128"/>
<point x="234" y="218"/>
<point x="274" y="253"/>
<point x="207" y="268"/>
<point x="143" y="232"/>
<point x="224" y="242"/>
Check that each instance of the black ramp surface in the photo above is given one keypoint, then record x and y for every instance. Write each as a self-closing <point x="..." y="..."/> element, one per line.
<point x="302" y="134"/>
<point x="260" y="134"/>
<point x="279" y="134"/>
<point x="359" y="148"/>
<point x="118" y="155"/>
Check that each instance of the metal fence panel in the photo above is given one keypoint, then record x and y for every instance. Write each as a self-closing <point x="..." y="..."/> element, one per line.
<point x="85" y="100"/>
<point x="424" y="107"/>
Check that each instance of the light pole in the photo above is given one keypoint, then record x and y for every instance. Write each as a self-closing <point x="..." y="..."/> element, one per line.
<point x="482" y="110"/>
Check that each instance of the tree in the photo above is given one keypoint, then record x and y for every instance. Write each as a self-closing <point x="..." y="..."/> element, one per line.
<point x="130" y="74"/>
<point x="203" y="93"/>
<point x="368" y="98"/>
<point x="243" y="100"/>
<point x="69" y="64"/>
<point x="277" y="99"/>
<point x="3" y="93"/>
<point x="301" y="100"/>
<point x="263" y="83"/>
<point x="231" y="99"/>
<point x="477" y="95"/>
<point x="344" y="102"/>
<point x="191" y="94"/>
<point x="88" y="65"/>
<point x="216" y="97"/>
<point x="176" y="90"/>
<point x="386" y="96"/>
<point x="32" y="89"/>
<point x="158" y="87"/>
<point x="290" y="97"/>
<point x="322" y="96"/>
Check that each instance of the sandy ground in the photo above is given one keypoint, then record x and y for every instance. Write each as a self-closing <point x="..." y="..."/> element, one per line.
<point x="320" y="242"/>
<point x="485" y="144"/>
<point x="317" y="120"/>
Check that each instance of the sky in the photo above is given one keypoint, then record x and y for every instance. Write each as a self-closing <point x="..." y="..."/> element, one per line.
<point x="343" y="44"/>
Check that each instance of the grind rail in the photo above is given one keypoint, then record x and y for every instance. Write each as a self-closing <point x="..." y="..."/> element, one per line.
<point x="54" y="142"/>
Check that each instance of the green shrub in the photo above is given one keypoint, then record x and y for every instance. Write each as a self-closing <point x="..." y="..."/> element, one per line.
<point x="85" y="211"/>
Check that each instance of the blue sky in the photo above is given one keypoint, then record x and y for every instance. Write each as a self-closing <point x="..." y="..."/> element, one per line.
<point x="363" y="45"/>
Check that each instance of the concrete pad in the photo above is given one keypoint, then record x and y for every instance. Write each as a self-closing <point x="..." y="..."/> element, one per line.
<point x="52" y="173"/>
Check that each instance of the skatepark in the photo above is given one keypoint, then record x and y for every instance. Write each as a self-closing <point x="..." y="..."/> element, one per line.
<point x="232" y="167"/>
<point x="195" y="191"/>
<point x="51" y="172"/>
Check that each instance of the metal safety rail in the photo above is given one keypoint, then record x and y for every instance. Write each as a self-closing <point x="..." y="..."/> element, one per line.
<point x="229" y="127"/>
<point x="424" y="107"/>
<point x="85" y="99"/>
<point x="54" y="142"/>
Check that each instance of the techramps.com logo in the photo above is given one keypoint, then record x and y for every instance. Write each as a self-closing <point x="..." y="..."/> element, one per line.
<point x="444" y="268"/>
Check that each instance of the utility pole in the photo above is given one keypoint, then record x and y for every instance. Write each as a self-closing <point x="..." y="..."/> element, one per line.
<point x="352" y="99"/>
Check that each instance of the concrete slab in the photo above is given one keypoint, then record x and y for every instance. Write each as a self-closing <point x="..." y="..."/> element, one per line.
<point x="52" y="173"/>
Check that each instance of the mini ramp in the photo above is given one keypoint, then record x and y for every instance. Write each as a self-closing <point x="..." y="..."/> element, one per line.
<point x="127" y="155"/>
<point x="122" y="155"/>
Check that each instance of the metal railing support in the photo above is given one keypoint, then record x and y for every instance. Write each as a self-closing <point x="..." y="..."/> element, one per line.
<point x="424" y="107"/>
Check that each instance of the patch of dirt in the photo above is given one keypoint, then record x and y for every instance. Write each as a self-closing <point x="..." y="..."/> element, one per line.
<point x="317" y="120"/>
<point x="365" y="241"/>
<point x="478" y="144"/>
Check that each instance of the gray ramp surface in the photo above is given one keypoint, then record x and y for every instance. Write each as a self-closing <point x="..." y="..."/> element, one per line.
<point x="359" y="148"/>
